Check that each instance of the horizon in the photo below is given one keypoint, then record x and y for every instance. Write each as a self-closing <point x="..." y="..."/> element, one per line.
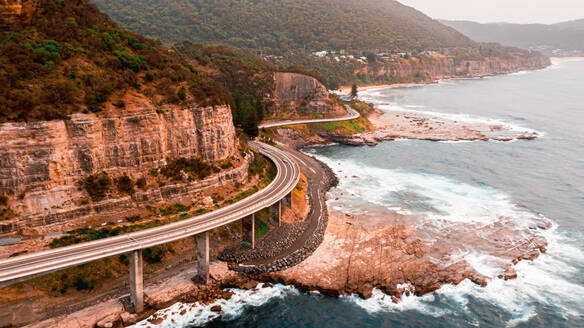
<point x="515" y="11"/>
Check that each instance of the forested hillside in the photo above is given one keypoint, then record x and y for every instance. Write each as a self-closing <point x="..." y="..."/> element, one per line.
<point x="276" y="26"/>
<point x="557" y="39"/>
<point x="67" y="56"/>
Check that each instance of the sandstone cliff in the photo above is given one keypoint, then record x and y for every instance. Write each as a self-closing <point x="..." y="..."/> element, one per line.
<point x="430" y="68"/>
<point x="41" y="163"/>
<point x="17" y="11"/>
<point x="295" y="92"/>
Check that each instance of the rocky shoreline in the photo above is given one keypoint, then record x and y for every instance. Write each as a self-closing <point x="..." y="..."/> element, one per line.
<point x="395" y="124"/>
<point x="277" y="241"/>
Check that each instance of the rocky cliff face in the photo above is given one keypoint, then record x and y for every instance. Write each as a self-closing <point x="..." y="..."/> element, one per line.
<point x="42" y="162"/>
<point x="14" y="12"/>
<point x="435" y="67"/>
<point x="298" y="92"/>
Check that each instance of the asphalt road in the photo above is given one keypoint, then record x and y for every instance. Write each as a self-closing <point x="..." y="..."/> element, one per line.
<point x="352" y="114"/>
<point x="287" y="163"/>
<point x="24" y="267"/>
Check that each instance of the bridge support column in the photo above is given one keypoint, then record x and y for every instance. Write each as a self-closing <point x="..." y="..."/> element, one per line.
<point x="136" y="280"/>
<point x="203" y="257"/>
<point x="287" y="201"/>
<point x="248" y="230"/>
<point x="276" y="213"/>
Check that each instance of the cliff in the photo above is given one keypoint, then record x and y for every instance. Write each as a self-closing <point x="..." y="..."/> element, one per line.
<point x="41" y="163"/>
<point x="430" y="68"/>
<point x="301" y="93"/>
<point x="13" y="12"/>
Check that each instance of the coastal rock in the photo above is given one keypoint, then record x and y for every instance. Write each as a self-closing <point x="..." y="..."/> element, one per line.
<point x="391" y="252"/>
<point x="42" y="162"/>
<point x="396" y="124"/>
<point x="432" y="68"/>
<point x="129" y="318"/>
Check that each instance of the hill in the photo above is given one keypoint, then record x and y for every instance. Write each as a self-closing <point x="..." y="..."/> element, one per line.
<point x="61" y="57"/>
<point x="562" y="39"/>
<point x="276" y="26"/>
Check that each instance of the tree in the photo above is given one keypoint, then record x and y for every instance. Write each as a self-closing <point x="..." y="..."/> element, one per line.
<point x="354" y="91"/>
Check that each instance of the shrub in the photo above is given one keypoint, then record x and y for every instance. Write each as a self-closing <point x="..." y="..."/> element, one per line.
<point x="97" y="185"/>
<point x="195" y="167"/>
<point x="7" y="213"/>
<point x="125" y="184"/>
<point x="3" y="200"/>
<point x="134" y="218"/>
<point x="182" y="94"/>
<point x="156" y="254"/>
<point x="141" y="183"/>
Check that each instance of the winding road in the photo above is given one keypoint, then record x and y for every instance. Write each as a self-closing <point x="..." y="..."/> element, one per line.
<point x="352" y="114"/>
<point x="24" y="267"/>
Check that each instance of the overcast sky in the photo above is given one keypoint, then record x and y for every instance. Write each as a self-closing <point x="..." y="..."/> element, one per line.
<point x="512" y="11"/>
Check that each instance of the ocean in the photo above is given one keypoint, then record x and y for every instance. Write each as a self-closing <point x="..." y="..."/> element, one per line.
<point x="458" y="182"/>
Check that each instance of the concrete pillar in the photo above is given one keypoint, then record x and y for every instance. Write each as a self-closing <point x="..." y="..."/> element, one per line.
<point x="276" y="213"/>
<point x="136" y="280"/>
<point x="248" y="230"/>
<point x="287" y="200"/>
<point x="203" y="257"/>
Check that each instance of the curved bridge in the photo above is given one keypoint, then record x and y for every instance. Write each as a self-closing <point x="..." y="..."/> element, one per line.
<point x="351" y="115"/>
<point x="25" y="267"/>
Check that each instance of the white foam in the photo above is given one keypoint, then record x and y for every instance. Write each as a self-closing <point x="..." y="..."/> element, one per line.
<point x="548" y="280"/>
<point x="380" y="302"/>
<point x="435" y="197"/>
<point x="199" y="314"/>
<point x="375" y="96"/>
<point x="539" y="282"/>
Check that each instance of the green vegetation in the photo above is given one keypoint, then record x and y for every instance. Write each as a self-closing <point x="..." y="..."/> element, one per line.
<point x="261" y="227"/>
<point x="73" y="58"/>
<point x="97" y="185"/>
<point x="263" y="167"/>
<point x="181" y="169"/>
<point x="360" y="124"/>
<point x="248" y="79"/>
<point x="7" y="213"/>
<point x="278" y="26"/>
<point x="84" y="278"/>
<point x="125" y="184"/>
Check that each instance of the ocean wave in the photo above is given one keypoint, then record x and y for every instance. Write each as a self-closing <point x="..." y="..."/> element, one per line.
<point x="199" y="314"/>
<point x="436" y="198"/>
<point x="546" y="280"/>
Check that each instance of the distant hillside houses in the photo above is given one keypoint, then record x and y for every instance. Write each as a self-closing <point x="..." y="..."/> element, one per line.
<point x="363" y="57"/>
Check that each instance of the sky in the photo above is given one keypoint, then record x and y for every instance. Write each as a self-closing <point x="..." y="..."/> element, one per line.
<point x="511" y="11"/>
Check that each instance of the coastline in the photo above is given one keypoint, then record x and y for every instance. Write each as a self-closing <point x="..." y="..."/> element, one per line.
<point x="564" y="59"/>
<point x="347" y="89"/>
<point x="178" y="293"/>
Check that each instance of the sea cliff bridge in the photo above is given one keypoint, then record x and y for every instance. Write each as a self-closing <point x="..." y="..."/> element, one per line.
<point x="278" y="193"/>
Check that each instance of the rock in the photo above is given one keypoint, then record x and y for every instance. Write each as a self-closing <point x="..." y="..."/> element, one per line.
<point x="208" y="201"/>
<point x="216" y="308"/>
<point x="109" y="321"/>
<point x="48" y="158"/>
<point x="129" y="318"/>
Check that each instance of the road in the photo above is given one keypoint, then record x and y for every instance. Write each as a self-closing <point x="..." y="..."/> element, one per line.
<point x="351" y="115"/>
<point x="24" y="267"/>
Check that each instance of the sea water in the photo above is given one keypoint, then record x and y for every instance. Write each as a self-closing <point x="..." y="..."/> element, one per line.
<point x="458" y="182"/>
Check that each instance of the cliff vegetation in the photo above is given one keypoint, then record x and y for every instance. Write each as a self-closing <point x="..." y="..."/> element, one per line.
<point x="276" y="26"/>
<point x="73" y="58"/>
